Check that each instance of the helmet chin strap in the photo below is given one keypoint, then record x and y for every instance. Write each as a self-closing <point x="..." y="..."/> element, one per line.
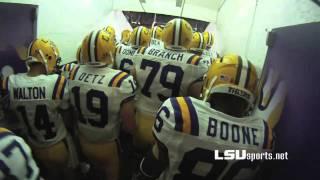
<point x="208" y="90"/>
<point x="111" y="57"/>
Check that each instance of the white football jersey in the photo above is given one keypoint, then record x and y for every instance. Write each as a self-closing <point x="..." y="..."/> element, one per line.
<point x="156" y="43"/>
<point x="124" y="56"/>
<point x="36" y="101"/>
<point x="16" y="158"/>
<point x="191" y="130"/>
<point x="163" y="73"/>
<point x="97" y="93"/>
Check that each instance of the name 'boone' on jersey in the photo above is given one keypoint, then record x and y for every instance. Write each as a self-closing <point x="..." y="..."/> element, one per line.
<point x="191" y="131"/>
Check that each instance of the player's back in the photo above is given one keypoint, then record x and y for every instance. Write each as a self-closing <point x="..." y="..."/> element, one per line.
<point x="124" y="57"/>
<point x="164" y="73"/>
<point x="97" y="93"/>
<point x="191" y="131"/>
<point x="16" y="158"/>
<point x="36" y="100"/>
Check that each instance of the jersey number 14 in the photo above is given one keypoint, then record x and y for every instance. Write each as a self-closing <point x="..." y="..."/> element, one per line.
<point x="41" y="121"/>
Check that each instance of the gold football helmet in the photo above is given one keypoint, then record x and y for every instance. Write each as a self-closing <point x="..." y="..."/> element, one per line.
<point x="231" y="75"/>
<point x="140" y="36"/>
<point x="209" y="39"/>
<point x="125" y="36"/>
<point x="44" y="51"/>
<point x="79" y="58"/>
<point x="97" y="48"/>
<point x="197" y="43"/>
<point x="156" y="32"/>
<point x="177" y="34"/>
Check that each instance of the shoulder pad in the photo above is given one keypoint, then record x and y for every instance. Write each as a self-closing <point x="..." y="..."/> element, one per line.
<point x="141" y="50"/>
<point x="73" y="72"/>
<point x="182" y="115"/>
<point x="122" y="80"/>
<point x="194" y="59"/>
<point x="59" y="87"/>
<point x="186" y="118"/>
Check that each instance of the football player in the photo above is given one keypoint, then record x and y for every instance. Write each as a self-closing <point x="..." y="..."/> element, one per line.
<point x="16" y="159"/>
<point x="125" y="36"/>
<point x="3" y="95"/>
<point x="188" y="130"/>
<point x="103" y="98"/>
<point x="7" y="117"/>
<point x="164" y="73"/>
<point x="48" y="51"/>
<point x="140" y="37"/>
<point x="209" y="41"/>
<point x="39" y="100"/>
<point x="198" y="45"/>
<point x="156" y="35"/>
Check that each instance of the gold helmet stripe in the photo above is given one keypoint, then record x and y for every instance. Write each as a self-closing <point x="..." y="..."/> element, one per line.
<point x="138" y="37"/>
<point x="244" y="73"/>
<point x="177" y="33"/>
<point x="93" y="39"/>
<point x="238" y="70"/>
<point x="248" y="75"/>
<point x="154" y="31"/>
<point x="96" y="45"/>
<point x="89" y="47"/>
<point x="201" y="41"/>
<point x="80" y="56"/>
<point x="180" y="32"/>
<point x="210" y="38"/>
<point x="173" y="32"/>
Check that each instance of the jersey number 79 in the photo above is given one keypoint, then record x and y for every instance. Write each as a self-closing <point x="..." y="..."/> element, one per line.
<point x="173" y="85"/>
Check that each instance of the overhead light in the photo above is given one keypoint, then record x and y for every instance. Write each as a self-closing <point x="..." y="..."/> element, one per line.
<point x="317" y="2"/>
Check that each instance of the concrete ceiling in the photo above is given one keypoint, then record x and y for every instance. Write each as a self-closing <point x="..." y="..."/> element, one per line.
<point x="205" y="10"/>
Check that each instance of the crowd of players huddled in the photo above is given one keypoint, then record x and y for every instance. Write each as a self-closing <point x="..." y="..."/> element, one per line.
<point x="155" y="105"/>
